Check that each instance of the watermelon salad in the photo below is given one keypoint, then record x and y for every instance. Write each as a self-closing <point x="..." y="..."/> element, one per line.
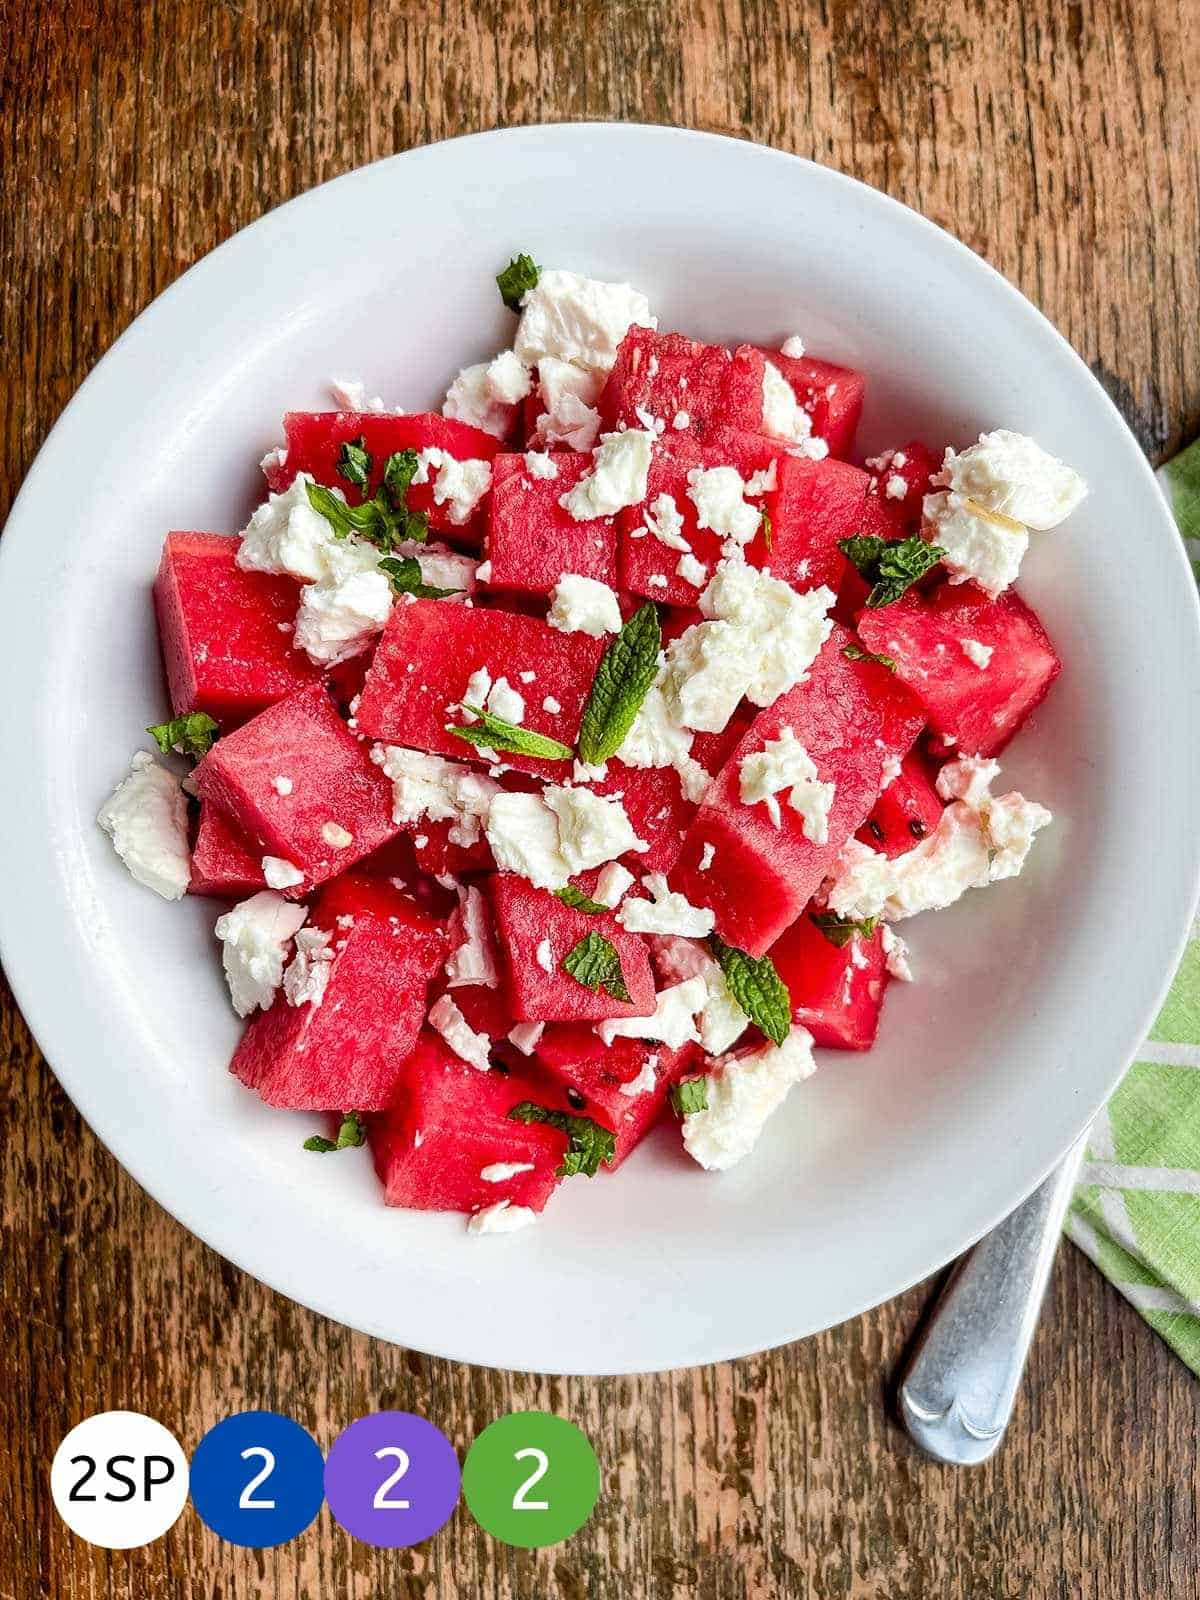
<point x="568" y="758"/>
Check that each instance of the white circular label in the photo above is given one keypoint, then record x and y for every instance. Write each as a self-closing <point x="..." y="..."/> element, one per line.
<point x="119" y="1479"/>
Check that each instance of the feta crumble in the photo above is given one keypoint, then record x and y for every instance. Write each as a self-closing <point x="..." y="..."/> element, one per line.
<point x="895" y="954"/>
<point x="666" y="912"/>
<point x="592" y="828"/>
<point x="721" y="1020"/>
<point x="349" y="394"/>
<point x="146" y="818"/>
<point x="584" y="605"/>
<point x="287" y="537"/>
<point x="743" y="1091"/>
<point x="525" y="1035"/>
<point x="617" y="478"/>
<point x="487" y="395"/>
<point x="672" y="1022"/>
<point x="896" y="487"/>
<point x="707" y="855"/>
<point x="551" y="706"/>
<point x="782" y="416"/>
<point x="792" y="346"/>
<point x="337" y="837"/>
<point x="784" y="763"/>
<point x="718" y="496"/>
<point x="502" y="1171"/>
<point x="1010" y="474"/>
<point x="281" y="873"/>
<point x="578" y="319"/>
<point x="978" y="654"/>
<point x="664" y="520"/>
<point x="254" y="938"/>
<point x="979" y="545"/>
<point x="472" y="960"/>
<point x="645" y="1082"/>
<point x="568" y="394"/>
<point x="523" y="835"/>
<point x="307" y="975"/>
<point x="613" y="881"/>
<point x="540" y="464"/>
<point x="503" y="1217"/>
<point x="544" y="956"/>
<point x="691" y="570"/>
<point x="338" y="620"/>
<point x="471" y="1047"/>
<point x="427" y="786"/>
<point x="282" y="784"/>
<point x="459" y="485"/>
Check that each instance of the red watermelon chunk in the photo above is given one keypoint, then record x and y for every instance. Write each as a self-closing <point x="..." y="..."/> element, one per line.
<point x="226" y="635"/>
<point x="590" y="1078"/>
<point x="851" y="716"/>
<point x="913" y="465"/>
<point x="832" y="396"/>
<point x="814" y="504"/>
<point x="448" y="1122"/>
<point x="314" y="440"/>
<point x="534" y="933"/>
<point x="674" y="379"/>
<point x="837" y="994"/>
<point x="975" y="708"/>
<point x="532" y="540"/>
<point x="907" y="811"/>
<point x="346" y="1053"/>
<point x="335" y="787"/>
<point x="222" y="861"/>
<point x="427" y="654"/>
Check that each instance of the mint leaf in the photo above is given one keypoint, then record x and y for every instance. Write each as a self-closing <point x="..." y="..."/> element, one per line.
<point x="493" y="733"/>
<point x="589" y="1145"/>
<point x="627" y="669"/>
<point x="578" y="901"/>
<point x="350" y="1135"/>
<point x="519" y="276"/>
<point x="398" y="472"/>
<point x="855" y="652"/>
<point x="595" y="964"/>
<point x="191" y="734"/>
<point x="689" y="1095"/>
<point x="891" y="566"/>
<point x="404" y="575"/>
<point x="354" y="463"/>
<point x="335" y="510"/>
<point x="840" y="930"/>
<point x="385" y="519"/>
<point x="757" y="988"/>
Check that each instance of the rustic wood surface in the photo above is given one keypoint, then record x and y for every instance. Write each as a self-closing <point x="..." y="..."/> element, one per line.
<point x="1058" y="139"/>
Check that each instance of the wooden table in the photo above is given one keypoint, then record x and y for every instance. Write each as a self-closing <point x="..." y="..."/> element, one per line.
<point x="1059" y="140"/>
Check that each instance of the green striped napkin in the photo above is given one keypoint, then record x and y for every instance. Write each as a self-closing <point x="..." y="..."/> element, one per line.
<point x="1136" y="1211"/>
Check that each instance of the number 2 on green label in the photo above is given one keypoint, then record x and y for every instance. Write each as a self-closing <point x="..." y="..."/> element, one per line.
<point x="520" y="1503"/>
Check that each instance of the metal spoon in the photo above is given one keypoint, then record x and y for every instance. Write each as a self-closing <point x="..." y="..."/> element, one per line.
<point x="957" y="1394"/>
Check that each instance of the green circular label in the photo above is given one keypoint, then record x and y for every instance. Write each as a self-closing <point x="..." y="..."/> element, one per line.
<point x="531" y="1479"/>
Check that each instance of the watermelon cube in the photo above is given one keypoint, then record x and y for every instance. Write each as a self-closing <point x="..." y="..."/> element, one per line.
<point x="596" y="1080"/>
<point x="344" y="1050"/>
<point x="223" y="862"/>
<point x="836" y="992"/>
<point x="429" y="651"/>
<point x="912" y="465"/>
<point x="532" y="540"/>
<point x="813" y="505"/>
<point x="688" y="386"/>
<point x="832" y="396"/>
<point x="979" y="666"/>
<point x="226" y="635"/>
<point x="298" y="785"/>
<point x="314" y="440"/>
<point x="534" y="933"/>
<point x="852" y="717"/>
<point x="907" y="811"/>
<point x="447" y="1125"/>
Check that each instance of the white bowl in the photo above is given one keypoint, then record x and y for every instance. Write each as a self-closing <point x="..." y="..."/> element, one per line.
<point x="1030" y="997"/>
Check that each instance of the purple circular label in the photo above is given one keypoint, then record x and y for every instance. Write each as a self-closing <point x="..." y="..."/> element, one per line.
<point x="392" y="1479"/>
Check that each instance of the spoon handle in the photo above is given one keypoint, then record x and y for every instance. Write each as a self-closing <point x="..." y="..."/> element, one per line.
<point x="957" y="1393"/>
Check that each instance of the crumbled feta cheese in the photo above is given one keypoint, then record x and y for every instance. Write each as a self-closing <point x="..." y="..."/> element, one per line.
<point x="286" y="536"/>
<point x="657" y="580"/>
<point x="540" y="464"/>
<point x="784" y="763"/>
<point x="691" y="570"/>
<point x="792" y="346"/>
<point x="896" y="487"/>
<point x="681" y="420"/>
<point x="527" y="676"/>
<point x="743" y="1090"/>
<point x="525" y="1035"/>
<point x="425" y="786"/>
<point x="1011" y="823"/>
<point x="338" y="620"/>
<point x="652" y="424"/>
<point x="979" y="654"/>
<point x="544" y="956"/>
<point x="349" y="394"/>
<point x="276" y="456"/>
<point x="582" y="772"/>
<point x="503" y="1217"/>
<point x="721" y="1020"/>
<point x="783" y="417"/>
<point x="764" y="481"/>
<point x="969" y="778"/>
<point x="254" y="938"/>
<point x="672" y="1022"/>
<point x="620" y="464"/>
<point x="307" y="974"/>
<point x="667" y="912"/>
<point x="487" y="395"/>
<point x="981" y="545"/>
<point x="282" y="785"/>
<point x="472" y="960"/>
<point x="577" y="319"/>
<point x="569" y="395"/>
<point x="644" y="1083"/>
<point x="146" y="819"/>
<point x="613" y="881"/>
<point x="459" y="485"/>
<point x="505" y="702"/>
<point x="592" y="828"/>
<point x="483" y="572"/>
<point x="1010" y="474"/>
<point x="502" y="1171"/>
<point x="444" y="568"/>
<point x="552" y="706"/>
<point x="663" y="518"/>
<point x="523" y="835"/>
<point x="471" y="1047"/>
<point x="656" y="738"/>
<point x="895" y="954"/>
<point x="717" y="494"/>
<point x="706" y="856"/>
<point x="891" y="771"/>
<point x="337" y="837"/>
<point x="280" y="873"/>
<point x="584" y="605"/>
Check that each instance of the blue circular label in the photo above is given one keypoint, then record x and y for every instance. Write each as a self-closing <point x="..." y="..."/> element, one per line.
<point x="257" y="1479"/>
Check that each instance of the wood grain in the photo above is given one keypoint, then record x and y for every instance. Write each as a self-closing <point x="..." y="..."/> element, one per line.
<point x="1061" y="141"/>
